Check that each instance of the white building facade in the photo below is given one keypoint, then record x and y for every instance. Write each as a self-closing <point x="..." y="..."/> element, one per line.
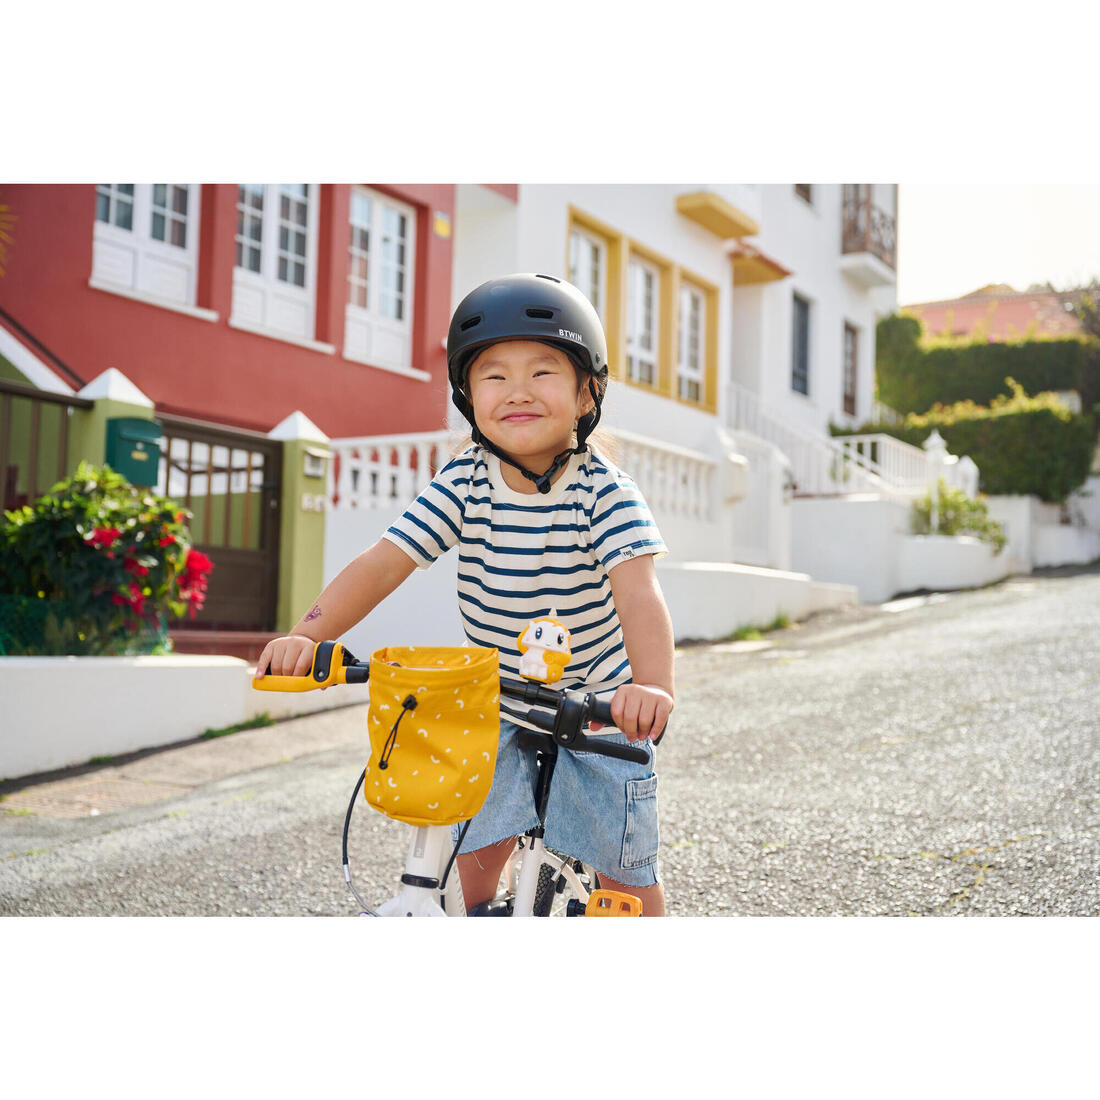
<point x="740" y="318"/>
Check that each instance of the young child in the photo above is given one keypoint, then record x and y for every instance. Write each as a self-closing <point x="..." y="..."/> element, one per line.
<point x="542" y="523"/>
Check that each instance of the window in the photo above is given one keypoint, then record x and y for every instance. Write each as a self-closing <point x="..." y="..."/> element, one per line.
<point x="689" y="371"/>
<point x="146" y="240"/>
<point x="275" y="272"/>
<point x="250" y="225"/>
<point x="381" y="275"/>
<point x="115" y="204"/>
<point x="851" y="362"/>
<point x="804" y="191"/>
<point x="643" y="303"/>
<point x="588" y="267"/>
<point x="800" y="347"/>
<point x="170" y="214"/>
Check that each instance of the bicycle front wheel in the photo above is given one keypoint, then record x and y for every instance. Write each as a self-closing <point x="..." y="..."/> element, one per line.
<point x="560" y="882"/>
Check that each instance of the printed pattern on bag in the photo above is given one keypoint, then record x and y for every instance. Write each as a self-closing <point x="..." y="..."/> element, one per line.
<point x="434" y="723"/>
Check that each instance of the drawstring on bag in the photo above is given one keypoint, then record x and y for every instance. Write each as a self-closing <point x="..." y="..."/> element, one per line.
<point x="407" y="704"/>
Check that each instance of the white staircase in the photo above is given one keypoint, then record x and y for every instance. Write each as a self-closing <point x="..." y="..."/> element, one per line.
<point x="829" y="467"/>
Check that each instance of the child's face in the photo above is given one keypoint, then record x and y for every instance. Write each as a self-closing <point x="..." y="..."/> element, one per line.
<point x="526" y="398"/>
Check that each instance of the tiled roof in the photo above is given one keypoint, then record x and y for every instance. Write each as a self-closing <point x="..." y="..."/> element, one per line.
<point x="1005" y="314"/>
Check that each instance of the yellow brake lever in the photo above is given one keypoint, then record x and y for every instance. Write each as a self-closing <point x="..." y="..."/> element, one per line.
<point x="327" y="669"/>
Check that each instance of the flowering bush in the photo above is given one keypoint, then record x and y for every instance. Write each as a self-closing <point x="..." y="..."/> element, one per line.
<point x="99" y="565"/>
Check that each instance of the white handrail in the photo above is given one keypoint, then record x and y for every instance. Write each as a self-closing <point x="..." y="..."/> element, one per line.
<point x="895" y="461"/>
<point x="819" y="466"/>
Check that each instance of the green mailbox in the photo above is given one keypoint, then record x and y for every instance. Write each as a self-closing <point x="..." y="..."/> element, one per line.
<point x="133" y="449"/>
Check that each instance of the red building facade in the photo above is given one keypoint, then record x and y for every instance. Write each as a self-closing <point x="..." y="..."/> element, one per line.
<point x="239" y="304"/>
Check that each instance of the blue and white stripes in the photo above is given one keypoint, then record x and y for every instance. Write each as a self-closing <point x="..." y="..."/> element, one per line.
<point x="521" y="556"/>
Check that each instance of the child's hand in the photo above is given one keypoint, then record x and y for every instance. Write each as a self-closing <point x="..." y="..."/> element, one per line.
<point x="640" y="711"/>
<point x="290" y="656"/>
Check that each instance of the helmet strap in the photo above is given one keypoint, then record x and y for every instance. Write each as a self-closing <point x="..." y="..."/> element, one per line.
<point x="542" y="481"/>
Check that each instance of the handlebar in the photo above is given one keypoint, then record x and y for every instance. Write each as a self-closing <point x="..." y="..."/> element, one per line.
<point x="564" y="717"/>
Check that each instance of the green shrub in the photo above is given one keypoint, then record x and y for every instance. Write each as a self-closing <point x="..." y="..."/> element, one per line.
<point x="1021" y="445"/>
<point x="95" y="567"/>
<point x="957" y="514"/>
<point x="913" y="374"/>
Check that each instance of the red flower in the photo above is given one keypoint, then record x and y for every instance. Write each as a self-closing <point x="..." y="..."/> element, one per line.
<point x="104" y="536"/>
<point x="197" y="563"/>
<point x="137" y="600"/>
<point x="166" y="541"/>
<point x="132" y="566"/>
<point x="119" y="600"/>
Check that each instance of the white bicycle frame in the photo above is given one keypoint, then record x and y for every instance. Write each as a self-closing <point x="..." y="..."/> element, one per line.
<point x="430" y="848"/>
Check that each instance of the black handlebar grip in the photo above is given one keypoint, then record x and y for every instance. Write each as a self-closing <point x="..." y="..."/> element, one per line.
<point x="600" y="711"/>
<point x="635" y="753"/>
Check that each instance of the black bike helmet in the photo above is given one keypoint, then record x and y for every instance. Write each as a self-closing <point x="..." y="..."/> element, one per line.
<point x="528" y="307"/>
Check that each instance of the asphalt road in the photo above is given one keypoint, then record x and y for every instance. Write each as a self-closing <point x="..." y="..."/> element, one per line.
<point x="938" y="757"/>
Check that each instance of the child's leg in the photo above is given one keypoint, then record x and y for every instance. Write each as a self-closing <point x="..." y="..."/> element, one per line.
<point x="651" y="897"/>
<point x="480" y="871"/>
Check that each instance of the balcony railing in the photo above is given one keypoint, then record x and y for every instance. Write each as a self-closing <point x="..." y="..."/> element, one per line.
<point x="867" y="227"/>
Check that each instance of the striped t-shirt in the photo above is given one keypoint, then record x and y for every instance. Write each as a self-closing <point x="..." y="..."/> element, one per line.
<point x="523" y="556"/>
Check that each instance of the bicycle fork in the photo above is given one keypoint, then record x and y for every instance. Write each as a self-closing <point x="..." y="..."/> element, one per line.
<point x="430" y="847"/>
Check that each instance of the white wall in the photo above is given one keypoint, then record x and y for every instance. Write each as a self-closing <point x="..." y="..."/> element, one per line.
<point x="710" y="600"/>
<point x="1037" y="537"/>
<point x="852" y="541"/>
<point x="806" y="238"/>
<point x="423" y="611"/>
<point x="61" y="711"/>
<point x="865" y="541"/>
<point x="944" y="562"/>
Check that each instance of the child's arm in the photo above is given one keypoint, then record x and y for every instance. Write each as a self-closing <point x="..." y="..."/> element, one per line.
<point x="356" y="591"/>
<point x="641" y="708"/>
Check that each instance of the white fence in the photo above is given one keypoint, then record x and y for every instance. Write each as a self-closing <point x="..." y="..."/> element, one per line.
<point x="818" y="466"/>
<point x="382" y="470"/>
<point x="875" y="463"/>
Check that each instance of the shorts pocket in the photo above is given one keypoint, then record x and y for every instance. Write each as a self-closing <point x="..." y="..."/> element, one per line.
<point x="641" y="839"/>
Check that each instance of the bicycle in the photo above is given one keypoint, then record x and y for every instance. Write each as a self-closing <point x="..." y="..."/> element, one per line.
<point x="538" y="880"/>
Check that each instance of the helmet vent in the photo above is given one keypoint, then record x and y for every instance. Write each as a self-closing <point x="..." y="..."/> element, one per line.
<point x="550" y="277"/>
<point x="470" y="322"/>
<point x="541" y="314"/>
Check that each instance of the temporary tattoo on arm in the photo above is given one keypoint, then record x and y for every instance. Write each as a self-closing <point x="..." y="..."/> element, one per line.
<point x="314" y="614"/>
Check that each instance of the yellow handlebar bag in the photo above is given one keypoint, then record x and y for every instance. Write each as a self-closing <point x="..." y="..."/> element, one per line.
<point x="434" y="723"/>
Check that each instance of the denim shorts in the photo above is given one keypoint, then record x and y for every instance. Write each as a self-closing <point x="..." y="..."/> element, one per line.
<point x="601" y="810"/>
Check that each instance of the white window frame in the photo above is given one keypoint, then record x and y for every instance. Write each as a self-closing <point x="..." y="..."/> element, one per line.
<point x="264" y="303"/>
<point x="371" y="336"/>
<point x="595" y="290"/>
<point x="133" y="262"/>
<point x="691" y="371"/>
<point x="641" y="362"/>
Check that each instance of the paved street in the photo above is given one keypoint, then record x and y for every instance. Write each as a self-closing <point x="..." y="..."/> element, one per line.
<point x="940" y="756"/>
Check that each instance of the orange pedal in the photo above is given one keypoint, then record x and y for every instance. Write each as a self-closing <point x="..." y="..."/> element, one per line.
<point x="612" y="903"/>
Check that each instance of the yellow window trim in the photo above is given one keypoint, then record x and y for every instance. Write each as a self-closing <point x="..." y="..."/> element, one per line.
<point x="615" y="308"/>
<point x="709" y="402"/>
<point x="619" y="249"/>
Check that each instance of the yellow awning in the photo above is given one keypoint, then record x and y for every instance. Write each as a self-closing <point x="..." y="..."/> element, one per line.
<point x="713" y="213"/>
<point x="750" y="265"/>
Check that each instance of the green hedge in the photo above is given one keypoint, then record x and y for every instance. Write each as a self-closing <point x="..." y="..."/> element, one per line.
<point x="1021" y="445"/>
<point x="912" y="377"/>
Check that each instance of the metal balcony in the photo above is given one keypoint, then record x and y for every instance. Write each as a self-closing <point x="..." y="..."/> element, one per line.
<point x="869" y="247"/>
